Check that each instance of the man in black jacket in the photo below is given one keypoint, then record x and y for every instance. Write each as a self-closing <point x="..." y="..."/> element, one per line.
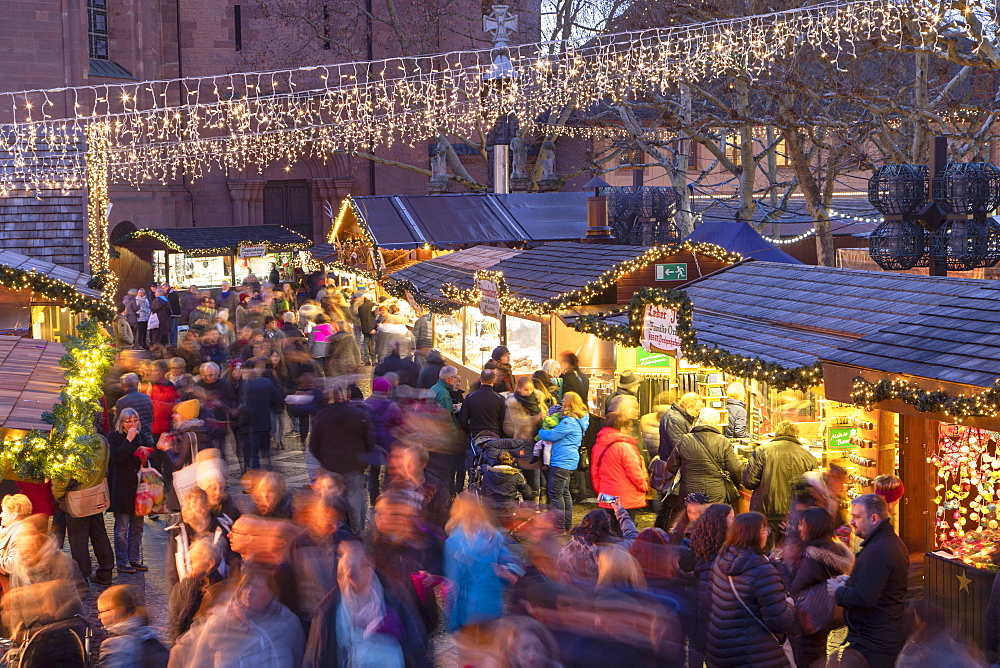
<point x="341" y="439"/>
<point x="873" y="595"/>
<point x="573" y="379"/>
<point x="399" y="362"/>
<point x="366" y="319"/>
<point x="483" y="409"/>
<point x="677" y="422"/>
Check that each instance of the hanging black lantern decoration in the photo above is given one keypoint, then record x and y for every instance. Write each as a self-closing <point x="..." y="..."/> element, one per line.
<point x="961" y="245"/>
<point x="898" y="189"/>
<point x="992" y="242"/>
<point x="970" y="188"/>
<point x="897" y="244"/>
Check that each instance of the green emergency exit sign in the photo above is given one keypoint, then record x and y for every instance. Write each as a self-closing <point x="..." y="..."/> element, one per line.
<point x="672" y="272"/>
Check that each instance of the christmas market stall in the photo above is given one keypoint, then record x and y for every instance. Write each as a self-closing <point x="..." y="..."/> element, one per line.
<point x="206" y="256"/>
<point x="765" y="327"/>
<point x="937" y="371"/>
<point x="43" y="300"/>
<point x="384" y="233"/>
<point x="521" y="299"/>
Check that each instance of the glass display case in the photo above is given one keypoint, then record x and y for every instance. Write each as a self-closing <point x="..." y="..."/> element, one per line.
<point x="448" y="335"/>
<point x="205" y="272"/>
<point x="482" y="335"/>
<point x="524" y="338"/>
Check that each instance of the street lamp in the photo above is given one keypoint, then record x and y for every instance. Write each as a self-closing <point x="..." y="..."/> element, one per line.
<point x="936" y="215"/>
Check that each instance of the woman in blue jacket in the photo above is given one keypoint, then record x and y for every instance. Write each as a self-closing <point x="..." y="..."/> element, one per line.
<point x="478" y="564"/>
<point x="566" y="438"/>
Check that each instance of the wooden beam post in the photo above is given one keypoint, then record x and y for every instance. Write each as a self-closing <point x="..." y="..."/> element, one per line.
<point x="919" y="440"/>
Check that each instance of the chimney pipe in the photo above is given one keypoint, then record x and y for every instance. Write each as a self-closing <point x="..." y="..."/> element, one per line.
<point x="501" y="169"/>
<point x="598" y="230"/>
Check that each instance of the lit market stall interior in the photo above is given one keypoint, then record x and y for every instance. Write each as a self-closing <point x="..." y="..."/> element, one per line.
<point x="766" y="327"/>
<point x="937" y="371"/>
<point x="43" y="300"/>
<point x="539" y="289"/>
<point x="206" y="256"/>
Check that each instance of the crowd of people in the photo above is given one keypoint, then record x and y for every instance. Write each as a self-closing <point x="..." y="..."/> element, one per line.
<point x="438" y="524"/>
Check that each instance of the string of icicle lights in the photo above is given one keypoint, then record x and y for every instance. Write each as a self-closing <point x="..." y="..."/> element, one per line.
<point x="160" y="130"/>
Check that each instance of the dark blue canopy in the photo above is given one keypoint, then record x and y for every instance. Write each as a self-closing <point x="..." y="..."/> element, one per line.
<point x="740" y="237"/>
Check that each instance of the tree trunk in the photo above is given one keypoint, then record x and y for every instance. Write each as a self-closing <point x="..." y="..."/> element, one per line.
<point x="679" y="170"/>
<point x="825" y="254"/>
<point x="745" y="149"/>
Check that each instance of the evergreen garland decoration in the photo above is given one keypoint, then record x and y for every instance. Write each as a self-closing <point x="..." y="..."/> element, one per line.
<point x="70" y="449"/>
<point x="397" y="287"/>
<point x="985" y="404"/>
<point x="629" y="335"/>
<point x="18" y="279"/>
<point x="591" y="291"/>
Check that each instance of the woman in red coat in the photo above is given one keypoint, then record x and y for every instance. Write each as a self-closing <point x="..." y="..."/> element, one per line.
<point x="164" y="396"/>
<point x="616" y="467"/>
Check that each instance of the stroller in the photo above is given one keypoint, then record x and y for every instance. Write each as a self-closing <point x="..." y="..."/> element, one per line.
<point x="484" y="451"/>
<point x="64" y="643"/>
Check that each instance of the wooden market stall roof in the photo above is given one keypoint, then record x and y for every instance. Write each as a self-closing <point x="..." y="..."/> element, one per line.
<point x="546" y="275"/>
<point x="70" y="277"/>
<point x="219" y="240"/>
<point x="845" y="302"/>
<point x="460" y="219"/>
<point x="30" y="381"/>
<point x="797" y="315"/>
<point x="456" y="268"/>
<point x="955" y="341"/>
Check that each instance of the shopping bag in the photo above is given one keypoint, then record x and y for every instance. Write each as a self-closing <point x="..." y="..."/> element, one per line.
<point x="186" y="479"/>
<point x="149" y="493"/>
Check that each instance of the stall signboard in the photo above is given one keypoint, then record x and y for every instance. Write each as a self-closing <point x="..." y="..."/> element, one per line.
<point x="672" y="272"/>
<point x="489" y="300"/>
<point x="646" y="360"/>
<point x="411" y="300"/>
<point x="254" y="250"/>
<point x="659" y="330"/>
<point x="840" y="437"/>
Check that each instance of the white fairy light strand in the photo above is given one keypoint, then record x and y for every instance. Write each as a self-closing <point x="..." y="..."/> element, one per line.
<point x="162" y="130"/>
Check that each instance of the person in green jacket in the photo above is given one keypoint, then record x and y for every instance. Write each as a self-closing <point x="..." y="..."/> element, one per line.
<point x="88" y="529"/>
<point x="772" y="470"/>
<point x="448" y="380"/>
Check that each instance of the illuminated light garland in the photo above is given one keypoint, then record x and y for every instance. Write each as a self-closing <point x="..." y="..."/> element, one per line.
<point x="398" y="288"/>
<point x="272" y="247"/>
<point x="70" y="449"/>
<point x="162" y="130"/>
<point x="98" y="142"/>
<point x="350" y="205"/>
<point x="778" y="376"/>
<point x="985" y="404"/>
<point x="593" y="289"/>
<point x="18" y="279"/>
<point x="833" y="213"/>
<point x="793" y="240"/>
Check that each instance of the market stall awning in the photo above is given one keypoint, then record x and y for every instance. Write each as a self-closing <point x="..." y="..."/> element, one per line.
<point x="456" y="220"/>
<point x="738" y="236"/>
<point x="30" y="381"/>
<point x="205" y="241"/>
<point x="955" y="341"/>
